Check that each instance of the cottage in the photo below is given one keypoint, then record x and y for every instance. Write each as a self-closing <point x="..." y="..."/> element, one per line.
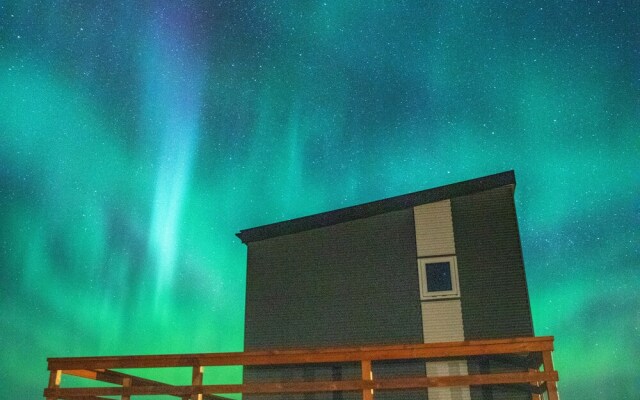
<point x="443" y="264"/>
<point x="413" y="297"/>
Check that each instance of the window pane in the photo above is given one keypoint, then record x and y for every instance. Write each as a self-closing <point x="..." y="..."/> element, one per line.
<point x="438" y="277"/>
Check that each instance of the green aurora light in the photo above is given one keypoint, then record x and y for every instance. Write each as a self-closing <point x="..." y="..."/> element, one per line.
<point x="136" y="139"/>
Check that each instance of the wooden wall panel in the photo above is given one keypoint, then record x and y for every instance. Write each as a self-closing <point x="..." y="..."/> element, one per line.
<point x="442" y="321"/>
<point x="434" y="229"/>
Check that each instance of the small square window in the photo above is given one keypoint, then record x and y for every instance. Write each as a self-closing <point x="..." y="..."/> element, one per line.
<point x="438" y="277"/>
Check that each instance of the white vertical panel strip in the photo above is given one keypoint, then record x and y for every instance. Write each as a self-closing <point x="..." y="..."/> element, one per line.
<point x="434" y="229"/>
<point x="442" y="322"/>
<point x="441" y="319"/>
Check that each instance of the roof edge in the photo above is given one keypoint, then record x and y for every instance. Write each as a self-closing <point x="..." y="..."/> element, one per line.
<point x="377" y="207"/>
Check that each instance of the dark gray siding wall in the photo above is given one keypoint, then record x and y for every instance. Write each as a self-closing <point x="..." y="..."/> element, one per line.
<point x="343" y="285"/>
<point x="348" y="284"/>
<point x="493" y="287"/>
<point x="494" y="297"/>
<point x="356" y="283"/>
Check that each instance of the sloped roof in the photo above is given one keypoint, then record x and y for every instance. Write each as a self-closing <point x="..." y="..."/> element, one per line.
<point x="377" y="207"/>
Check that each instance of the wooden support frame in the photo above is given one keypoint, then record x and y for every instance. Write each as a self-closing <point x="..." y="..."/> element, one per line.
<point x="100" y="368"/>
<point x="367" y="380"/>
<point x="55" y="378"/>
<point x="119" y="378"/>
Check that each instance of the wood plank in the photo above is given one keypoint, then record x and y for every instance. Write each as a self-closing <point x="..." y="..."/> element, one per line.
<point x="105" y="375"/>
<point x="196" y="380"/>
<point x="463" y="380"/>
<point x="55" y="376"/>
<point x="350" y="354"/>
<point x="117" y="378"/>
<point x="126" y="385"/>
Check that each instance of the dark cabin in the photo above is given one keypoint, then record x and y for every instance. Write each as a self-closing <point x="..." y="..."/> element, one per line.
<point x="439" y="265"/>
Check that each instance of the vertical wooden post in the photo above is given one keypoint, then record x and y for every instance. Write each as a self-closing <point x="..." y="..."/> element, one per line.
<point x="126" y="384"/>
<point x="54" y="381"/>
<point x="367" y="376"/>
<point x="196" y="380"/>
<point x="535" y="385"/>
<point x="552" y="387"/>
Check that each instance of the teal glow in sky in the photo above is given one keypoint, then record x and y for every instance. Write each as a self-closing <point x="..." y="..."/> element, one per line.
<point x="137" y="139"/>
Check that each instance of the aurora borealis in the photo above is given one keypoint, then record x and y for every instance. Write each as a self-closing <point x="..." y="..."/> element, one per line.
<point x="136" y="138"/>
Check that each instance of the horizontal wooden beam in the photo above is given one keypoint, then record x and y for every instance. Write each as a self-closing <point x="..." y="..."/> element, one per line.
<point x="324" y="386"/>
<point x="464" y="380"/>
<point x="85" y="398"/>
<point x="303" y="356"/>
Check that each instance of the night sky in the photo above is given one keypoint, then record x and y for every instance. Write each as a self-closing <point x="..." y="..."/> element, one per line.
<point x="136" y="138"/>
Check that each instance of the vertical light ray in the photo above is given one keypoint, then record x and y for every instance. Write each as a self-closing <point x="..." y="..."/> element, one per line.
<point x="171" y="186"/>
<point x="294" y="167"/>
<point x="174" y="74"/>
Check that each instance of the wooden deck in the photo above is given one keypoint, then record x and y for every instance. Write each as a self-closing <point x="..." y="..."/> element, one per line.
<point x="540" y="378"/>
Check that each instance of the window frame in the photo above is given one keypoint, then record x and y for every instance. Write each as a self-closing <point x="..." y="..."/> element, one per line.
<point x="422" y="274"/>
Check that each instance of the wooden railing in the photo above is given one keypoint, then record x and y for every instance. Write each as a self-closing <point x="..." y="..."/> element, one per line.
<point x="536" y="351"/>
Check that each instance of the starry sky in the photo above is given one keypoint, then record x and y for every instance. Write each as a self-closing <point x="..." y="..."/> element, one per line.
<point x="136" y="138"/>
